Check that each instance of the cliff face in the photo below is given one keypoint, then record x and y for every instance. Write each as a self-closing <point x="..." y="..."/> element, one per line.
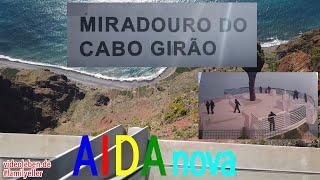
<point x="308" y="43"/>
<point x="31" y="101"/>
<point x="302" y="53"/>
<point x="296" y="61"/>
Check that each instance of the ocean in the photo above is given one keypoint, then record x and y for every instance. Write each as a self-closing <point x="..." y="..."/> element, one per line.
<point x="35" y="31"/>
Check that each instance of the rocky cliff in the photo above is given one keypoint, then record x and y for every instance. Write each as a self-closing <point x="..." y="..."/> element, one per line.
<point x="308" y="43"/>
<point x="31" y="101"/>
<point x="302" y="53"/>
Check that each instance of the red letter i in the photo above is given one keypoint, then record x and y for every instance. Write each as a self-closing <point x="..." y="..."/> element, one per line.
<point x="105" y="155"/>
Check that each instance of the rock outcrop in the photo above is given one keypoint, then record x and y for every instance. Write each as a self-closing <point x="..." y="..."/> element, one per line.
<point x="302" y="53"/>
<point x="308" y="43"/>
<point x="101" y="100"/>
<point x="295" y="62"/>
<point x="31" y="101"/>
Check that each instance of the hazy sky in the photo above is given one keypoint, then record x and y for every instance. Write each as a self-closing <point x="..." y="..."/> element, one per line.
<point x="213" y="84"/>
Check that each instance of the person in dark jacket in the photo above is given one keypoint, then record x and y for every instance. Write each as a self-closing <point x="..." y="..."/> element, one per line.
<point x="305" y="98"/>
<point x="295" y="95"/>
<point x="212" y="105"/>
<point x="260" y="90"/>
<point x="272" y="124"/>
<point x="237" y="106"/>
<point x="269" y="89"/>
<point x="208" y="107"/>
<point x="319" y="130"/>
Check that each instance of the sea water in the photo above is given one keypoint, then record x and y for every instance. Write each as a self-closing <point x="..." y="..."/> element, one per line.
<point x="35" y="31"/>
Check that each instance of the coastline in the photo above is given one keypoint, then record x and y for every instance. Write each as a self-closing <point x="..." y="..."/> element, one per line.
<point x="270" y="48"/>
<point x="272" y="45"/>
<point x="90" y="80"/>
<point x="87" y="79"/>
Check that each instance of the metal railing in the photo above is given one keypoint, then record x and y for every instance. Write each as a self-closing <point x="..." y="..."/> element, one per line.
<point x="260" y="127"/>
<point x="62" y="165"/>
<point x="220" y="134"/>
<point x="283" y="122"/>
<point x="68" y="158"/>
<point x="232" y="93"/>
<point x="247" y="134"/>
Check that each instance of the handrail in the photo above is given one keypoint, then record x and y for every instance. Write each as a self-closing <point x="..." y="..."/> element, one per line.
<point x="141" y="137"/>
<point x="279" y="91"/>
<point x="68" y="158"/>
<point x="283" y="121"/>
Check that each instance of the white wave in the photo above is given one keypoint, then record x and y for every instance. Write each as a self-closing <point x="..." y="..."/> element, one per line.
<point x="125" y="1"/>
<point x="96" y="75"/>
<point x="273" y="42"/>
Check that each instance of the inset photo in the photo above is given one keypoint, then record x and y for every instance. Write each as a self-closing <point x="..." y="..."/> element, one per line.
<point x="263" y="105"/>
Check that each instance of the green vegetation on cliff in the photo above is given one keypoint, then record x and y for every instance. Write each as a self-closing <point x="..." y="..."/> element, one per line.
<point x="56" y="105"/>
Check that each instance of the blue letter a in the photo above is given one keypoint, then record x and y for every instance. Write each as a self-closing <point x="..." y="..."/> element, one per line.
<point x="85" y="145"/>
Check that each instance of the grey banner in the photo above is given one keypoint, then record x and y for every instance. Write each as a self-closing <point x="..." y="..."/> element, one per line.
<point x="162" y="34"/>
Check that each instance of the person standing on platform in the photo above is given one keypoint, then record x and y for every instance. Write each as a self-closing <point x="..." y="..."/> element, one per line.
<point x="237" y="106"/>
<point x="319" y="130"/>
<point x="269" y="89"/>
<point x="212" y="105"/>
<point x="305" y="98"/>
<point x="208" y="107"/>
<point x="272" y="124"/>
<point x="295" y="95"/>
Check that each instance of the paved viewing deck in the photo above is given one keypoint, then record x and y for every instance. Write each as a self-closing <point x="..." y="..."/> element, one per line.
<point x="223" y="117"/>
<point x="290" y="114"/>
